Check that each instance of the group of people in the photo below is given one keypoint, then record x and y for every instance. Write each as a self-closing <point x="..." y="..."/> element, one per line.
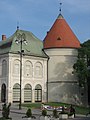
<point x="62" y="109"/>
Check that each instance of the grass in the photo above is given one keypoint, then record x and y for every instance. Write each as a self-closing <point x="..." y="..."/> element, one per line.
<point x="82" y="110"/>
<point x="32" y="105"/>
<point x="78" y="109"/>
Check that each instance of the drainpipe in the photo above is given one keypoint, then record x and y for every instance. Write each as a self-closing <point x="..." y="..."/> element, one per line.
<point x="47" y="74"/>
<point x="47" y="79"/>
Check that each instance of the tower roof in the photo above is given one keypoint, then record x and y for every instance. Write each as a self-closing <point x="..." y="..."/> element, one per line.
<point x="61" y="35"/>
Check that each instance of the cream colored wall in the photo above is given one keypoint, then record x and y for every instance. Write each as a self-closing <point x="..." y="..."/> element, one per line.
<point x="32" y="80"/>
<point x="10" y="80"/>
<point x="4" y="79"/>
<point x="60" y="64"/>
<point x="62" y="84"/>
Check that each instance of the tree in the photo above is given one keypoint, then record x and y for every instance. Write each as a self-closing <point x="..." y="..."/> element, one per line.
<point x="81" y="67"/>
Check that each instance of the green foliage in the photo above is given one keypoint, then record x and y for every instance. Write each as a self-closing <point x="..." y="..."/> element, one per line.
<point x="6" y="110"/>
<point x="29" y="113"/>
<point x="55" y="113"/>
<point x="44" y="113"/>
<point x="81" y="71"/>
<point x="81" y="66"/>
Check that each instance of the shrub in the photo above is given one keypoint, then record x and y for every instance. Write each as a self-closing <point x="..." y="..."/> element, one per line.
<point x="44" y="112"/>
<point x="6" y="110"/>
<point x="55" y="113"/>
<point x="29" y="113"/>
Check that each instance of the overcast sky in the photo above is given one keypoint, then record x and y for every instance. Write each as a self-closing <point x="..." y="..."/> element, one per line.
<point x="38" y="16"/>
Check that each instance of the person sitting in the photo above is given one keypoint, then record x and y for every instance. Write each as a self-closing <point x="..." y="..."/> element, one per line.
<point x="72" y="110"/>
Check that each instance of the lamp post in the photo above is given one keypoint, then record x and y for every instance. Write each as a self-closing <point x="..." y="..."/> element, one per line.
<point x="21" y="38"/>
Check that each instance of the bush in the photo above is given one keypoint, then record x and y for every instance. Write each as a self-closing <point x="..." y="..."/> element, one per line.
<point x="29" y="113"/>
<point x="55" y="113"/>
<point x="6" y="110"/>
<point x="44" y="113"/>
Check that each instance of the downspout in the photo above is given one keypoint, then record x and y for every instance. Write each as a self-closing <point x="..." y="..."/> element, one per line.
<point x="47" y="74"/>
<point x="47" y="79"/>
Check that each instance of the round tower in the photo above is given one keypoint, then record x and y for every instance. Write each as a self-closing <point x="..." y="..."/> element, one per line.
<point x="61" y="45"/>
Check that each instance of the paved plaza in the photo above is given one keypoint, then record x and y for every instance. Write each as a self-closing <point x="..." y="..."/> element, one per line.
<point x="17" y="114"/>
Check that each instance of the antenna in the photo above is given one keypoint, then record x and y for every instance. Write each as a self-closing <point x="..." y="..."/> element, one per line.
<point x="17" y="25"/>
<point x="60" y="7"/>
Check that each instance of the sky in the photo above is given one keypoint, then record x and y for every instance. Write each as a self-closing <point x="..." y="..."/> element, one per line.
<point x="38" y="16"/>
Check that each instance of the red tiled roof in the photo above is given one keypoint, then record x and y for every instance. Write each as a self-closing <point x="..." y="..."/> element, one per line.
<point x="61" y="35"/>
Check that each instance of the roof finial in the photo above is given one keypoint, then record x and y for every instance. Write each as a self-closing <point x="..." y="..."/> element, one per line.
<point x="17" y="25"/>
<point x="60" y="7"/>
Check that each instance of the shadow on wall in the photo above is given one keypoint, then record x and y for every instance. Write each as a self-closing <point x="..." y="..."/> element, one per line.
<point x="63" y="85"/>
<point x="64" y="92"/>
<point x="63" y="71"/>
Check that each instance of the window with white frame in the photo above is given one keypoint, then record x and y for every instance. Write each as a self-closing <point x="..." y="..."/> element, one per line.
<point x="16" y="92"/>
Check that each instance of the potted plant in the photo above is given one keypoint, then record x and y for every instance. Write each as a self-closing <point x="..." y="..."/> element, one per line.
<point x="44" y="115"/>
<point x="63" y="114"/>
<point x="29" y="114"/>
<point x="6" y="112"/>
<point x="55" y="114"/>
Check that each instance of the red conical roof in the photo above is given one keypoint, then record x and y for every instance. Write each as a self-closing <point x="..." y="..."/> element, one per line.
<point x="61" y="35"/>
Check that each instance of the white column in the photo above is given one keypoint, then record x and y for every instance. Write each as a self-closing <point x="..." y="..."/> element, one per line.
<point x="9" y="94"/>
<point x="33" y="95"/>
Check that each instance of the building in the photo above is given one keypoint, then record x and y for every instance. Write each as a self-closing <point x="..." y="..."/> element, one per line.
<point x="61" y="45"/>
<point x="34" y="69"/>
<point x="47" y="67"/>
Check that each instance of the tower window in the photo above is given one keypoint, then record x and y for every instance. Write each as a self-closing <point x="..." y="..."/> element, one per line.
<point x="58" y="38"/>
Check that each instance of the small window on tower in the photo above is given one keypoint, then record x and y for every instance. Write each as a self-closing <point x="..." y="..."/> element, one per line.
<point x="58" y="38"/>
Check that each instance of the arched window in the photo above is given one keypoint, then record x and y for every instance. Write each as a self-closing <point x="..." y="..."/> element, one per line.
<point x="38" y="70"/>
<point x="38" y="93"/>
<point x="28" y="93"/>
<point x="16" y="93"/>
<point x="3" y="93"/>
<point x="16" y="67"/>
<point x="4" y="68"/>
<point x="28" y="68"/>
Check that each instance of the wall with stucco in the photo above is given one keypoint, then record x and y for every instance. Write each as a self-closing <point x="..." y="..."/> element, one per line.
<point x="62" y="84"/>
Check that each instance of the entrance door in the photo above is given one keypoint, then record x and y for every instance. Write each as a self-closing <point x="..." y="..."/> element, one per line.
<point x="38" y="93"/>
<point x="3" y="93"/>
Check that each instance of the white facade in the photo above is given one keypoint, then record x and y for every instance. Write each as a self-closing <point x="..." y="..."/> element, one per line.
<point x="34" y="78"/>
